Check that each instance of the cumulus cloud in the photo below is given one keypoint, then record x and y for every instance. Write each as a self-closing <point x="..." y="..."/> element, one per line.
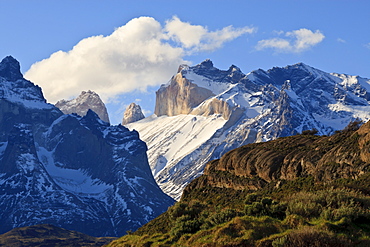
<point x="195" y="38"/>
<point x="140" y="54"/>
<point x="295" y="41"/>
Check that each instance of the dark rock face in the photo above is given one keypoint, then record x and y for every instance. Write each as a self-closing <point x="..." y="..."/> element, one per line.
<point x="85" y="101"/>
<point x="132" y="114"/>
<point x="10" y="69"/>
<point x="79" y="173"/>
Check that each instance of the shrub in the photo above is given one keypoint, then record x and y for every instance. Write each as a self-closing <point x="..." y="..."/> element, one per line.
<point x="254" y="209"/>
<point x="177" y="210"/>
<point x="222" y="217"/>
<point x="183" y="225"/>
<point x="294" y="221"/>
<point x="278" y="210"/>
<point x="310" y="132"/>
<point x="332" y="204"/>
<point x="266" y="201"/>
<point x="266" y="207"/>
<point x="305" y="209"/>
<point x="250" y="198"/>
<point x="311" y="237"/>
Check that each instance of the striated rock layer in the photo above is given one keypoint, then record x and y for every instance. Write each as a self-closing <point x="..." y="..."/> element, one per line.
<point x="325" y="158"/>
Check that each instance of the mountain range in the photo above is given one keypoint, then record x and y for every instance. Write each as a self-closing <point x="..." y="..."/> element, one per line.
<point x="76" y="171"/>
<point x="204" y="112"/>
<point x="71" y="171"/>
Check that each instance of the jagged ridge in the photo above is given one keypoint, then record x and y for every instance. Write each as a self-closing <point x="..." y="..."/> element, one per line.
<point x="254" y="107"/>
<point x="79" y="173"/>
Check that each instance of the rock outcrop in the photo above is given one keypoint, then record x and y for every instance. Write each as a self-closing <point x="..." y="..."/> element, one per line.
<point x="88" y="100"/>
<point x="132" y="114"/>
<point x="180" y="96"/>
<point x="325" y="158"/>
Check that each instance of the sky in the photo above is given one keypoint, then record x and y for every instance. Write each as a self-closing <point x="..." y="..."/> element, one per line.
<point x="124" y="50"/>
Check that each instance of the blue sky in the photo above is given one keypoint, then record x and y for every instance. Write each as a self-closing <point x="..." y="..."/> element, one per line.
<point x="113" y="48"/>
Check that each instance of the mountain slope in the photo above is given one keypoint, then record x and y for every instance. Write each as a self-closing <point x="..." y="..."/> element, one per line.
<point x="302" y="190"/>
<point x="259" y="106"/>
<point x="79" y="173"/>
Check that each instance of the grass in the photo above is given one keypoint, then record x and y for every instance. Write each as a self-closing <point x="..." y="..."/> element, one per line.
<point x="335" y="213"/>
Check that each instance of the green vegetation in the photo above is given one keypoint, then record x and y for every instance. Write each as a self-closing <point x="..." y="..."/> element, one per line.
<point x="298" y="213"/>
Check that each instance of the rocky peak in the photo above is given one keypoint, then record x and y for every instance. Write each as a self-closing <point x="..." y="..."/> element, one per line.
<point x="235" y="73"/>
<point x="132" y="114"/>
<point x="206" y="69"/>
<point x="206" y="64"/>
<point x="85" y="101"/>
<point x="14" y="88"/>
<point x="234" y="68"/>
<point x="182" y="67"/>
<point x="179" y="97"/>
<point x="10" y="69"/>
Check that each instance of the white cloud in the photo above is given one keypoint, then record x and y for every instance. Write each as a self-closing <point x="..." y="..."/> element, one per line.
<point x="341" y="40"/>
<point x="296" y="41"/>
<point x="276" y="43"/>
<point x="137" y="55"/>
<point x="367" y="45"/>
<point x="196" y="38"/>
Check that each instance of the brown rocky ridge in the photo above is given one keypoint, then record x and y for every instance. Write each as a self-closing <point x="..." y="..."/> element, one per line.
<point x="345" y="154"/>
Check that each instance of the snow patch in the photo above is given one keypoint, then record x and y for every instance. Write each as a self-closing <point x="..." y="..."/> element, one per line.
<point x="76" y="181"/>
<point x="173" y="138"/>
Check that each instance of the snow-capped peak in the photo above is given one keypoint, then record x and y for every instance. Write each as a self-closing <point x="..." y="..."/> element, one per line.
<point x="237" y="109"/>
<point x="85" y="101"/>
<point x="14" y="88"/>
<point x="10" y="69"/>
